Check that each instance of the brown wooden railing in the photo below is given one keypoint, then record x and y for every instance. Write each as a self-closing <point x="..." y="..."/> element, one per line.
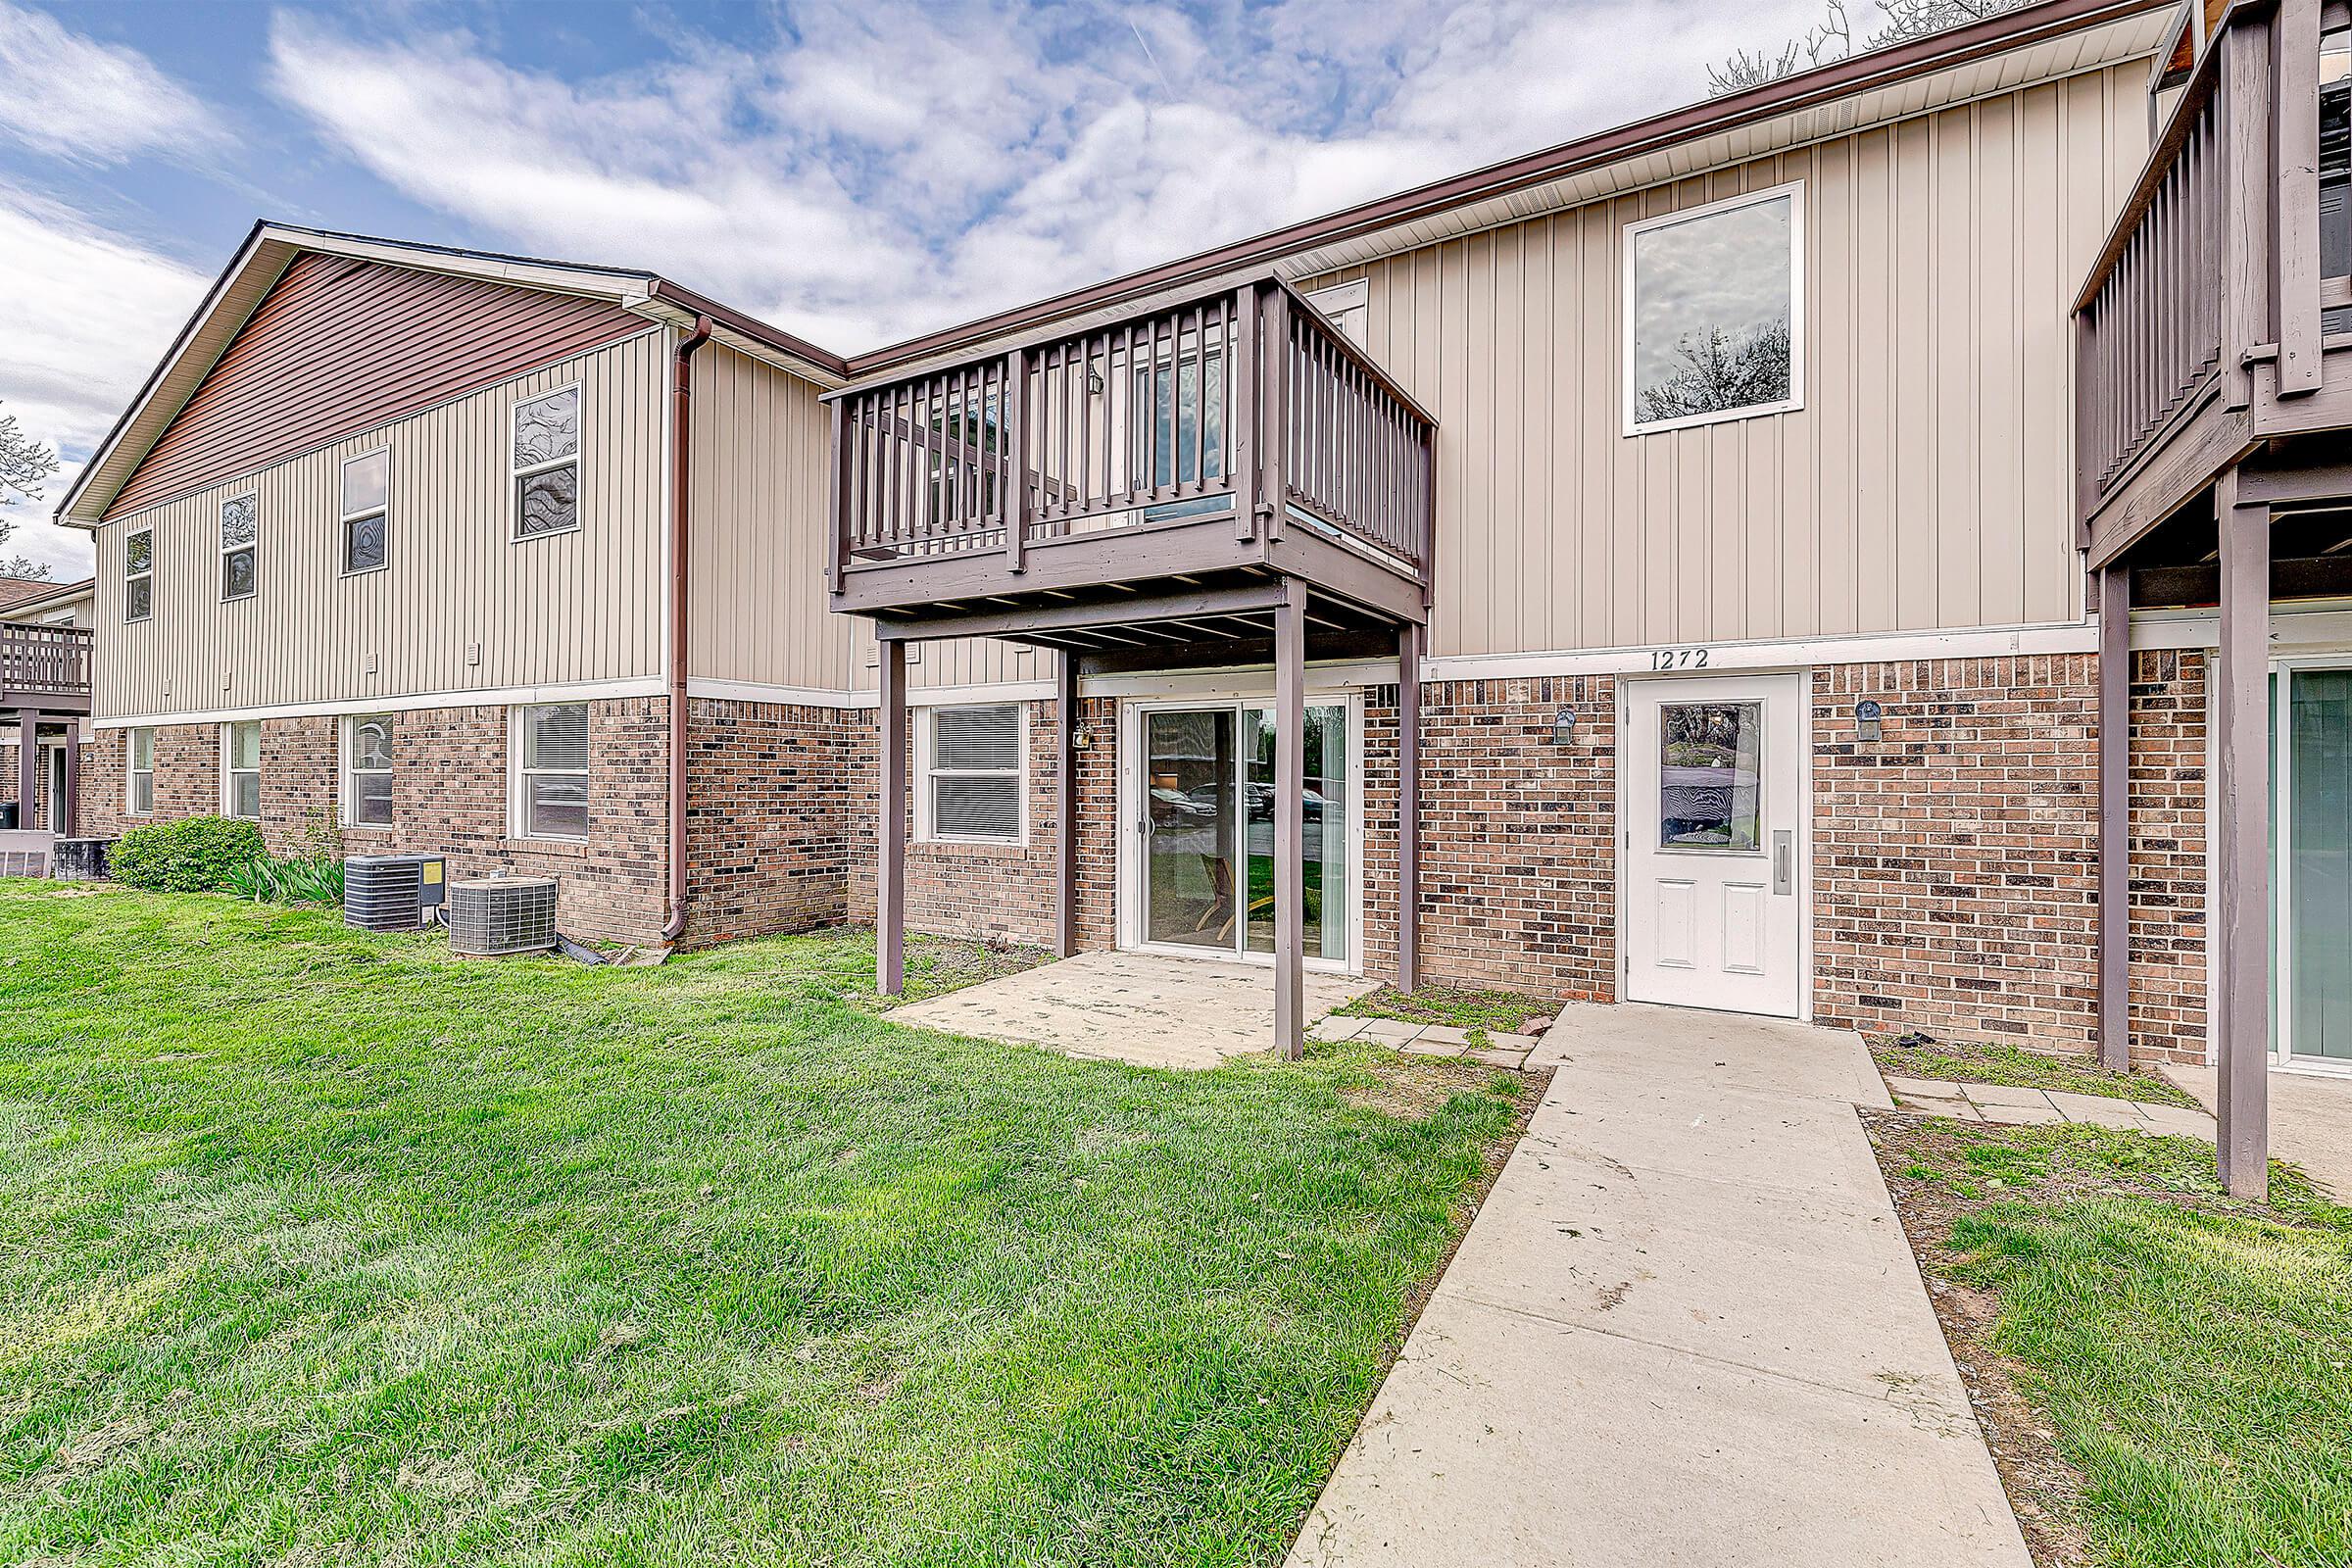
<point x="2211" y="283"/>
<point x="44" y="659"/>
<point x="1165" y="417"/>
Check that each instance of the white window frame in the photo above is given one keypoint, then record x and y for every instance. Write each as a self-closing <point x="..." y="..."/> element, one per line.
<point x="1794" y="193"/>
<point x="925" y="743"/>
<point x="129" y="577"/>
<point x="344" y="519"/>
<point x="519" y="806"/>
<point x="516" y="474"/>
<point x="1350" y="307"/>
<point x="230" y="772"/>
<point x="347" y="775"/>
<point x="226" y="550"/>
<point x="131" y="771"/>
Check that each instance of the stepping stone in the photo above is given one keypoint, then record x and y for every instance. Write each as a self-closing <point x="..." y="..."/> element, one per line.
<point x="1432" y="1048"/>
<point x="2005" y="1095"/>
<point x="2116" y="1113"/>
<point x="1503" y="1042"/>
<point x="2021" y="1116"/>
<point x="2179" y="1121"/>
<point x="1924" y="1088"/>
<point x="1389" y="1031"/>
<point x="1337" y="1029"/>
<point x="1513" y="1060"/>
<point x="1446" y="1031"/>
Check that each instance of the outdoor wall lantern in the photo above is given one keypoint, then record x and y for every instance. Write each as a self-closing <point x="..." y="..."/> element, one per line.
<point x="1563" y="728"/>
<point x="1867" y="715"/>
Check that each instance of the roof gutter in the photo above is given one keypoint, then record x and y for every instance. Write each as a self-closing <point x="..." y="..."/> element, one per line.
<point x="681" y="494"/>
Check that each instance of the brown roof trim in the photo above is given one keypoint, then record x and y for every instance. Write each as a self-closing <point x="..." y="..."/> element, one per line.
<point x="2031" y="25"/>
<point x="750" y="326"/>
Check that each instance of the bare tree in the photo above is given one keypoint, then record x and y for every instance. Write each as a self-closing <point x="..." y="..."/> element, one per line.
<point x="1833" y="39"/>
<point x="25" y="466"/>
<point x="1722" y="369"/>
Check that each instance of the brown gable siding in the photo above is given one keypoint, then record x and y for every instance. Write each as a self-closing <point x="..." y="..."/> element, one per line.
<point x="340" y="345"/>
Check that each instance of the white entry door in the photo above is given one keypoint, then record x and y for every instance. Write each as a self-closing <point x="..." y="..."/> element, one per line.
<point x="1714" y="843"/>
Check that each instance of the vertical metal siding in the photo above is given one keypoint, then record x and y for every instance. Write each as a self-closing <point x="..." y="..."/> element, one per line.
<point x="1924" y="484"/>
<point x="574" y="607"/>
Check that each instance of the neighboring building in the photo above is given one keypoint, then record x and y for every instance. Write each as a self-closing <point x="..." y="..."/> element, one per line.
<point x="1650" y="569"/>
<point x="45" y="640"/>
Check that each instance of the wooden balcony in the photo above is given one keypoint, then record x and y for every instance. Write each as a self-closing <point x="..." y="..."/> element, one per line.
<point x="1142" y="484"/>
<point x="46" y="669"/>
<point x="2216" y="325"/>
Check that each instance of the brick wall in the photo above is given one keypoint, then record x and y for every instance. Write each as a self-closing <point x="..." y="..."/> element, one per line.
<point x="770" y="792"/>
<point x="449" y="797"/>
<point x="1956" y="859"/>
<point x="1518" y="854"/>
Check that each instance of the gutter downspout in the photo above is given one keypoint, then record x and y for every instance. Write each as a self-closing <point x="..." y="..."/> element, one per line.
<point x="681" y="493"/>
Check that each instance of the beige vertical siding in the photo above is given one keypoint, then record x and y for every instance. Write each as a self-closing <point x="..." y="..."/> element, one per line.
<point x="760" y="611"/>
<point x="578" y="606"/>
<point x="1924" y="484"/>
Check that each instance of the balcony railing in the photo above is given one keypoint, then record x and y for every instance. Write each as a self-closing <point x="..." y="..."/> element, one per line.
<point x="43" y="662"/>
<point x="1216" y="406"/>
<point x="2224" y="277"/>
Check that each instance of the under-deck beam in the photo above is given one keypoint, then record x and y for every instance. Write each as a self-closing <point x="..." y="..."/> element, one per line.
<point x="1289" y="822"/>
<point x="2115" y="816"/>
<point x="890" y="891"/>
<point x="2242" y="1006"/>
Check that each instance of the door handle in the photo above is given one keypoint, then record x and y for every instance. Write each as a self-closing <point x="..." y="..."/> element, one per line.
<point x="1783" y="861"/>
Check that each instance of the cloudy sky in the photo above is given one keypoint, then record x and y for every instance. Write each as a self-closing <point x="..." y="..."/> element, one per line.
<point x="854" y="172"/>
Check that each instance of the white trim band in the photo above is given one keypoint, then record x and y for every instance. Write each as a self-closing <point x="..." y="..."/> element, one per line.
<point x="492" y="697"/>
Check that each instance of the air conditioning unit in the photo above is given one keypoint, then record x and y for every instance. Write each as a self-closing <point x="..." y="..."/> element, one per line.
<point x="496" y="915"/>
<point x="390" y="892"/>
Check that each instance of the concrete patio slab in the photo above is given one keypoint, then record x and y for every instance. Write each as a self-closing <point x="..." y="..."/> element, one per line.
<point x="1140" y="1007"/>
<point x="2311" y="1120"/>
<point x="1686" y="1329"/>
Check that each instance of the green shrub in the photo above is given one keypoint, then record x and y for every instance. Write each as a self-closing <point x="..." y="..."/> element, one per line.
<point x="193" y="855"/>
<point x="296" y="879"/>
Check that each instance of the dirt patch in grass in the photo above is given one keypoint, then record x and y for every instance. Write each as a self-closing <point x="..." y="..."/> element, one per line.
<point x="1991" y="1185"/>
<point x="1958" y="1061"/>
<point x="1397" y="1083"/>
<point x="1505" y="1011"/>
<point x="937" y="965"/>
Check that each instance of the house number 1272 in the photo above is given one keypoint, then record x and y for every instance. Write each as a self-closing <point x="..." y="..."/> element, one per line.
<point x="1677" y="659"/>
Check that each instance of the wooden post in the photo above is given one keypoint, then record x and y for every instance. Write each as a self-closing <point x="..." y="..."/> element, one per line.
<point x="1289" y="822"/>
<point x="1066" y="809"/>
<point x="1408" y="806"/>
<point x="2295" y="120"/>
<point x="889" y="893"/>
<point x="1018" y="508"/>
<point x="69" y="813"/>
<point x="2242" y="1006"/>
<point x="2115" y="816"/>
<point x="29" y="766"/>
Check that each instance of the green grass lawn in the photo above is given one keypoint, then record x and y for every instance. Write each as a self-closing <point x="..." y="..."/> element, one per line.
<point x="1480" y="1011"/>
<point x="1962" y="1062"/>
<point x="2189" y="1357"/>
<point x="319" y="1247"/>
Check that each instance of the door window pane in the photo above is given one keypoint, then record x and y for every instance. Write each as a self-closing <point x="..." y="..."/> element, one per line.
<point x="1324" y="810"/>
<point x="1189" y="779"/>
<point x="2319" y="933"/>
<point x="1709" y="773"/>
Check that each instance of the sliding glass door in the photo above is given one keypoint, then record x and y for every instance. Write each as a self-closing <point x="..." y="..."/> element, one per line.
<point x="1205" y="861"/>
<point x="2312" y="863"/>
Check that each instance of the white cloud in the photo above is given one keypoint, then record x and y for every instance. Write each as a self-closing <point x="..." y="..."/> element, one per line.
<point x="883" y="170"/>
<point x="74" y="97"/>
<point x="84" y="315"/>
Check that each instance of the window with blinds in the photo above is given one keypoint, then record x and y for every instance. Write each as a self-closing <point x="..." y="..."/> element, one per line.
<point x="551" y="771"/>
<point x="972" y="762"/>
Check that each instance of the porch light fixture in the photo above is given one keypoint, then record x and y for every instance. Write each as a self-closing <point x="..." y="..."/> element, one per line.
<point x="1867" y="714"/>
<point x="1563" y="728"/>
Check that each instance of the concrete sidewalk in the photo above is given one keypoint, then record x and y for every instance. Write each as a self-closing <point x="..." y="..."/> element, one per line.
<point x="1686" y="1327"/>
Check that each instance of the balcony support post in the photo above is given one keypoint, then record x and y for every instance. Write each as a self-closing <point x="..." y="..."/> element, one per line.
<point x="1290" y="822"/>
<point x="1015" y="499"/>
<point x="28" y="765"/>
<point x="69" y="812"/>
<point x="1408" y="806"/>
<point x="2295" y="120"/>
<point x="890" y="891"/>
<point x="1273" y="413"/>
<point x="2115" y="816"/>
<point x="2241" y="1007"/>
<point x="1248" y="440"/>
<point x="1065" y="807"/>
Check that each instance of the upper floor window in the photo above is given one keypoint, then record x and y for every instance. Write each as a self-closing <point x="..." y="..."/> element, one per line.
<point x="241" y="770"/>
<point x="547" y="464"/>
<point x="2335" y="170"/>
<point x="138" y="574"/>
<point x="1350" y="307"/>
<point x="1714" y="313"/>
<point x="367" y="511"/>
<point x="551" y="771"/>
<point x="239" y="576"/>
<point x="367" y="772"/>
<point x="971" y="760"/>
<point x="138" y="773"/>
